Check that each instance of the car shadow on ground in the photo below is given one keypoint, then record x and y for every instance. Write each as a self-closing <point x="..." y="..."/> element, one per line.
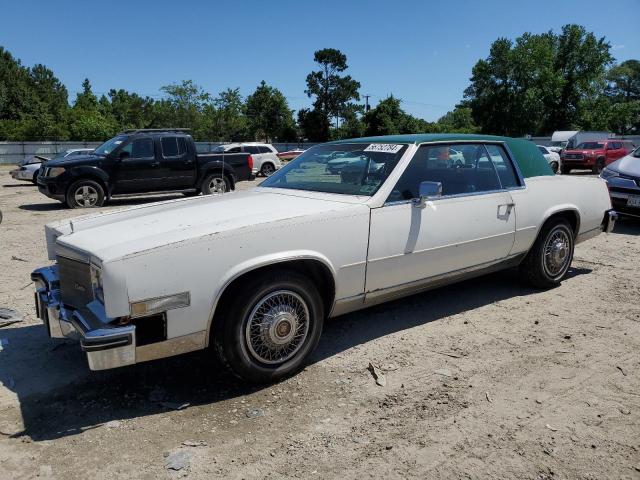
<point x="114" y="202"/>
<point x="627" y="226"/>
<point x="18" y="185"/>
<point x="59" y="396"/>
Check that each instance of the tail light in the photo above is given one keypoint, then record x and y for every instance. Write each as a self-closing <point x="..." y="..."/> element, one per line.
<point x="250" y="161"/>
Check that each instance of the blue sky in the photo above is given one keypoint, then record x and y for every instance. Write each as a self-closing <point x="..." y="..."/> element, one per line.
<point x="420" y="51"/>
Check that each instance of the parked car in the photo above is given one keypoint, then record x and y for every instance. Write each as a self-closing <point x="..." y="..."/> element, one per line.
<point x="255" y="274"/>
<point x="623" y="180"/>
<point x="553" y="158"/>
<point x="139" y="162"/>
<point x="569" y="139"/>
<point x="265" y="156"/>
<point x="594" y="155"/>
<point x="289" y="154"/>
<point x="28" y="169"/>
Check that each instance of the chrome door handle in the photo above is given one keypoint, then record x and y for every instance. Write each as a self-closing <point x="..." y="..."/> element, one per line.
<point x="507" y="210"/>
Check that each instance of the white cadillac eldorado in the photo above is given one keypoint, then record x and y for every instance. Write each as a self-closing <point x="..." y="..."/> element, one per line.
<point x="254" y="274"/>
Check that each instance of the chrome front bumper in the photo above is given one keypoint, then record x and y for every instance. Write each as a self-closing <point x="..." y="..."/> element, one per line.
<point x="106" y="346"/>
<point x="609" y="221"/>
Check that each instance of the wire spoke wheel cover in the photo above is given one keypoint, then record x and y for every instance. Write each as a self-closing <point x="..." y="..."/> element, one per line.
<point x="86" y="196"/>
<point x="217" y="185"/>
<point x="557" y="252"/>
<point x="277" y="327"/>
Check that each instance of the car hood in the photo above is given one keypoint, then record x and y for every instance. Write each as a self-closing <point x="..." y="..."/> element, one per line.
<point x="628" y="165"/>
<point x="133" y="231"/>
<point x="75" y="160"/>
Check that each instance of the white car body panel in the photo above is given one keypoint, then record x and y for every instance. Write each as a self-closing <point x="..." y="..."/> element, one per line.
<point x="27" y="174"/>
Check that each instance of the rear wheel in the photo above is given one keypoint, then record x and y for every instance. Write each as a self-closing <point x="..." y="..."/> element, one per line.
<point x="268" y="334"/>
<point x="85" y="194"/>
<point x="549" y="260"/>
<point x="267" y="169"/>
<point x="215" y="183"/>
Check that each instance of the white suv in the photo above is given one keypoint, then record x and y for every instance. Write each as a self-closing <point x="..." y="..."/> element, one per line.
<point x="265" y="158"/>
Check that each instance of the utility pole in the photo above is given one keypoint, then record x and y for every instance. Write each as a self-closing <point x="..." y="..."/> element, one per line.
<point x="366" y="103"/>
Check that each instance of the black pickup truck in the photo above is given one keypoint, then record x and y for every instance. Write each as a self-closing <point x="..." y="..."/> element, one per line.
<point x="142" y="162"/>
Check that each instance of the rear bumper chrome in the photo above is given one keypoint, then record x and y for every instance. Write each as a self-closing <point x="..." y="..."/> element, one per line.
<point x="106" y="346"/>
<point x="609" y="220"/>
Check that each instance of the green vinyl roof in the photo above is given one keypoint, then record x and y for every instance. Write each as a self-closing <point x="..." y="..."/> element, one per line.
<point x="526" y="153"/>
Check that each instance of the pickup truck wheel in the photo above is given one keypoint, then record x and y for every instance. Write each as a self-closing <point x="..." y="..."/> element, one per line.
<point x="550" y="258"/>
<point x="598" y="166"/>
<point x="268" y="335"/>
<point x="85" y="194"/>
<point x="267" y="169"/>
<point x="215" y="183"/>
<point x="565" y="170"/>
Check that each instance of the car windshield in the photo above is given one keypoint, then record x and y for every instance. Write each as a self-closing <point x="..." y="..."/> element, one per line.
<point x="348" y="169"/>
<point x="110" y="145"/>
<point x="590" y="146"/>
<point x="60" y="155"/>
<point x="636" y="152"/>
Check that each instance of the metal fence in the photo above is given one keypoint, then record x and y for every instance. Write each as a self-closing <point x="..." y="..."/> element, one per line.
<point x="14" y="152"/>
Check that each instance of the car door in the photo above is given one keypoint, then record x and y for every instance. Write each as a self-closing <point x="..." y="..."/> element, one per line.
<point x="177" y="163"/>
<point x="137" y="169"/>
<point x="470" y="226"/>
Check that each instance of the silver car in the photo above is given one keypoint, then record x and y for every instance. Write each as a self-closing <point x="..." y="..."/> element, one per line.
<point x="623" y="179"/>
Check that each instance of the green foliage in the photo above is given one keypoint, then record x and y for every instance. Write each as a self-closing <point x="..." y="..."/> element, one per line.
<point x="388" y="118"/>
<point x="332" y="94"/>
<point x="268" y="113"/>
<point x="538" y="83"/>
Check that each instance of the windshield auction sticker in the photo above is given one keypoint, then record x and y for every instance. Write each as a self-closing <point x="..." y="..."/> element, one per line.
<point x="383" y="147"/>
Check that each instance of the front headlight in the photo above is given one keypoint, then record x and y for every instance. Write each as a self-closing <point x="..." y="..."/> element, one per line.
<point x="608" y="173"/>
<point x="54" y="171"/>
<point x="96" y="282"/>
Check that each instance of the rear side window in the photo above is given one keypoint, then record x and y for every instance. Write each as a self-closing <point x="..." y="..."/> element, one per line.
<point x="543" y="150"/>
<point x="234" y="150"/>
<point x="173" y="146"/>
<point x="506" y="172"/>
<point x="251" y="149"/>
<point x="264" y="150"/>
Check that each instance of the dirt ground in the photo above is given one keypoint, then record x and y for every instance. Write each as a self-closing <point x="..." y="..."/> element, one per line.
<point x="484" y="379"/>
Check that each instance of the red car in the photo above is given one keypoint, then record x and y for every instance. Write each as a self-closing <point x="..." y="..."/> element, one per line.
<point x="595" y="155"/>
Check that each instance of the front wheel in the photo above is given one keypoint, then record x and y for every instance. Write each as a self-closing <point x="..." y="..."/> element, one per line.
<point x="268" y="334"/>
<point x="85" y="194"/>
<point x="215" y="183"/>
<point x="598" y="166"/>
<point x="550" y="257"/>
<point x="554" y="166"/>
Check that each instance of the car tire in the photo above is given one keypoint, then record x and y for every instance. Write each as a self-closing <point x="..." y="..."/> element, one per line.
<point x="598" y="166"/>
<point x="85" y="194"/>
<point x="247" y="338"/>
<point x="34" y="180"/>
<point x="565" y="170"/>
<point x="554" y="166"/>
<point x="267" y="169"/>
<point x="215" y="183"/>
<point x="549" y="259"/>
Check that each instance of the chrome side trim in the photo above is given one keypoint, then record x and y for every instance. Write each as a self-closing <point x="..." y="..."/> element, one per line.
<point x="71" y="254"/>
<point x="346" y="305"/>
<point x="410" y="288"/>
<point x="589" y="234"/>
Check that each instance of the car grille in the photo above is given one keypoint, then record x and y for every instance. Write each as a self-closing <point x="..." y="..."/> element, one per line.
<point x="75" y="282"/>
<point x="574" y="156"/>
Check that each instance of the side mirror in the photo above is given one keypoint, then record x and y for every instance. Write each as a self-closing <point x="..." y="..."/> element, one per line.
<point x="427" y="191"/>
<point x="123" y="155"/>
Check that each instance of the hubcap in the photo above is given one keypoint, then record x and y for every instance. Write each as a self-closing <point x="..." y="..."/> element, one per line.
<point x="217" y="185"/>
<point x="557" y="251"/>
<point x="277" y="327"/>
<point x="86" y="196"/>
<point x="267" y="170"/>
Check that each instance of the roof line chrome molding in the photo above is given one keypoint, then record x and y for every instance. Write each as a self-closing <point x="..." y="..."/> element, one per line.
<point x="72" y="254"/>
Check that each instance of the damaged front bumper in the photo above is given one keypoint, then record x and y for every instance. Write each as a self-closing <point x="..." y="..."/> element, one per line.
<point x="107" y="346"/>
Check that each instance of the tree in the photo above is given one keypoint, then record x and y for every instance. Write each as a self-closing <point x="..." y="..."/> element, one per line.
<point x="538" y="83"/>
<point x="388" y="118"/>
<point x="231" y="122"/>
<point x="268" y="113"/>
<point x="459" y="120"/>
<point x="332" y="91"/>
<point x="624" y="81"/>
<point x="186" y="102"/>
<point x="314" y="125"/>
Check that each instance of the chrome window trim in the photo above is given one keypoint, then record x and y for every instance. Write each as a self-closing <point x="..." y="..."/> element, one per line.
<point x="519" y="175"/>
